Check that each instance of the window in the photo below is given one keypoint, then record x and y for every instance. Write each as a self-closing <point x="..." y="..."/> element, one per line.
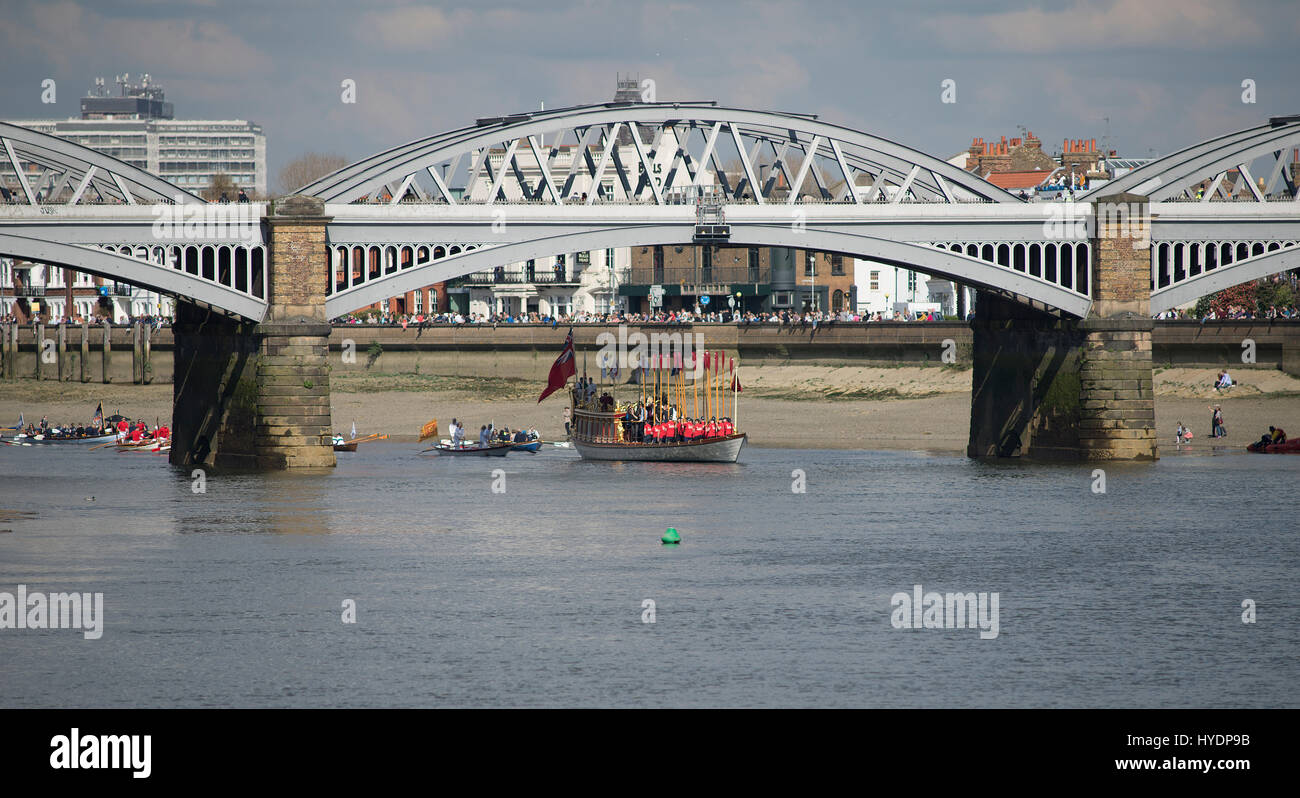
<point x="753" y="264"/>
<point x="782" y="299"/>
<point x="659" y="264"/>
<point x="810" y="265"/>
<point x="911" y="282"/>
<point x="837" y="265"/>
<point x="706" y="264"/>
<point x="419" y="301"/>
<point x="875" y="281"/>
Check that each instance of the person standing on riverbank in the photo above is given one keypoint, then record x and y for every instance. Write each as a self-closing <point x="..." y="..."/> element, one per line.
<point x="1217" y="430"/>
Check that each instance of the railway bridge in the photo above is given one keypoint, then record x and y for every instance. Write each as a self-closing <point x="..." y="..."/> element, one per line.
<point x="1062" y="329"/>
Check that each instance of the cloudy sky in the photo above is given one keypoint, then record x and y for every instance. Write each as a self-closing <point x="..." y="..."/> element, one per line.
<point x="1167" y="73"/>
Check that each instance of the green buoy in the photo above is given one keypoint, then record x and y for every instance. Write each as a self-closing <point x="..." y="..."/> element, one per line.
<point x="671" y="538"/>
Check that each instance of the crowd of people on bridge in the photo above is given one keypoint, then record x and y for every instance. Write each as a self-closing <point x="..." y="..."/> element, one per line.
<point x="786" y="318"/>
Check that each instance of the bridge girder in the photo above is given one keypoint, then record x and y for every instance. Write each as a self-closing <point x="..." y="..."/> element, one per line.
<point x="918" y="256"/>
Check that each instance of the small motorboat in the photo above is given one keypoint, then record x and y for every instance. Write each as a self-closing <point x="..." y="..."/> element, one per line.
<point x="527" y="446"/>
<point x="1290" y="447"/>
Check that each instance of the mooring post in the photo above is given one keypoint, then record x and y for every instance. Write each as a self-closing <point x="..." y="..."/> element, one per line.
<point x="62" y="359"/>
<point x="85" y="350"/>
<point x="40" y="350"/>
<point x="146" y="365"/>
<point x="136" y="376"/>
<point x="108" y="352"/>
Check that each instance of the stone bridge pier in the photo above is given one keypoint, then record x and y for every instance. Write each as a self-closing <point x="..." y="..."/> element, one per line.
<point x="1073" y="389"/>
<point x="257" y="395"/>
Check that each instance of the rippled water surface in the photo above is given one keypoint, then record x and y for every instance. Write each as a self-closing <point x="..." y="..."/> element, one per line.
<point x="533" y="597"/>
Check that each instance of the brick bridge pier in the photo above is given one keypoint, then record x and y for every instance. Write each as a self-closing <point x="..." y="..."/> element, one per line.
<point x="257" y="395"/>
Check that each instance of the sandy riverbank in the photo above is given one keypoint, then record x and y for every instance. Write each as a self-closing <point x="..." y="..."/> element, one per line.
<point x="790" y="406"/>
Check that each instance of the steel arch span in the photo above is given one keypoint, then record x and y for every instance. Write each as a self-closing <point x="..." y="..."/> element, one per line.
<point x="155" y="275"/>
<point x="648" y="151"/>
<point x="80" y="173"/>
<point x="938" y="260"/>
<point x="1176" y="176"/>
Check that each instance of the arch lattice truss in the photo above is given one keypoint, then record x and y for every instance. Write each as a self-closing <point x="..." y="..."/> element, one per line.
<point x="656" y="153"/>
<point x="53" y="171"/>
<point x="1230" y="167"/>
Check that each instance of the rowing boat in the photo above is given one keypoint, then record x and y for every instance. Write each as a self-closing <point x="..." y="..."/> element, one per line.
<point x="492" y="450"/>
<point x="24" y="440"/>
<point x="341" y="445"/>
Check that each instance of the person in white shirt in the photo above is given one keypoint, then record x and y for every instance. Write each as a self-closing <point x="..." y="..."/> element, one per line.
<point x="1224" y="381"/>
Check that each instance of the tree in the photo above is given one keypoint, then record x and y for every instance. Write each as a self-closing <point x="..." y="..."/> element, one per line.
<point x="307" y="168"/>
<point x="221" y="184"/>
<point x="1238" y="297"/>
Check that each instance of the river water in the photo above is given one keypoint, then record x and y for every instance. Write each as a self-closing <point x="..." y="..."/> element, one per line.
<point x="466" y="596"/>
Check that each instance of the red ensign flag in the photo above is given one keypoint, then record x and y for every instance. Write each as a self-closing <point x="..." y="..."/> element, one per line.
<point x="564" y="367"/>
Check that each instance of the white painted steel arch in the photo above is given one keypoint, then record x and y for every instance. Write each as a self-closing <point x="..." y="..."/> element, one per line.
<point x="138" y="271"/>
<point x="1208" y="281"/>
<point x="1179" y="174"/>
<point x="929" y="259"/>
<point x="802" y="149"/>
<point x="80" y="173"/>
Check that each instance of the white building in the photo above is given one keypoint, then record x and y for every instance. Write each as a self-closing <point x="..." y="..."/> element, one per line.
<point x="883" y="288"/>
<point x="137" y="127"/>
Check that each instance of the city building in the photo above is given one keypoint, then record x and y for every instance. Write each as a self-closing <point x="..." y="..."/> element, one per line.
<point x="136" y="126"/>
<point x="707" y="277"/>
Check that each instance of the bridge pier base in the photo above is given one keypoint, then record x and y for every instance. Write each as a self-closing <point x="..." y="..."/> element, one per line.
<point x="214" y="389"/>
<point x="1079" y="389"/>
<point x="1025" y="391"/>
